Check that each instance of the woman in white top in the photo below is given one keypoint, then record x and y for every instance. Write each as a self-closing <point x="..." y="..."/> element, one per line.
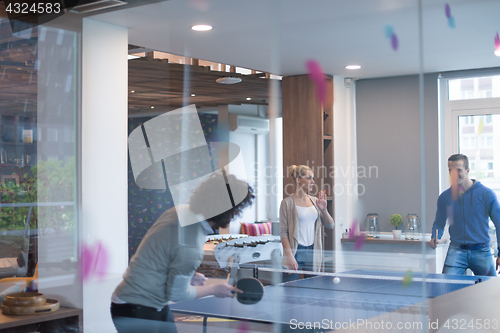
<point x="302" y="218"/>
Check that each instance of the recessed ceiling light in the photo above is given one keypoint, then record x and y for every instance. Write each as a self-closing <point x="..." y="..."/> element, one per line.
<point x="353" y="67"/>
<point x="201" y="27"/>
<point x="497" y="53"/>
<point x="193" y="95"/>
<point x="228" y="80"/>
<point x="152" y="107"/>
<point x="249" y="98"/>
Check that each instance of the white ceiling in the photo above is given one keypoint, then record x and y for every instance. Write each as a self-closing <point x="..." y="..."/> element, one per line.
<point x="279" y="36"/>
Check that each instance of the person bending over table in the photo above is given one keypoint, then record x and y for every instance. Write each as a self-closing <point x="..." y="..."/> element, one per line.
<point x="467" y="205"/>
<point x="302" y="218"/>
<point x="163" y="268"/>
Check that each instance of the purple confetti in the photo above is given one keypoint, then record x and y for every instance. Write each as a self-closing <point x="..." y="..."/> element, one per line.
<point x="447" y="11"/>
<point x="86" y="262"/>
<point x="352" y="231"/>
<point x="360" y="240"/>
<point x="317" y="75"/>
<point x="394" y="42"/>
<point x="497" y="42"/>
<point x="101" y="261"/>
<point x="93" y="262"/>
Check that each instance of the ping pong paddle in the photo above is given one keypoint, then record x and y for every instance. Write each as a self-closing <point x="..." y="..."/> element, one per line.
<point x="253" y="290"/>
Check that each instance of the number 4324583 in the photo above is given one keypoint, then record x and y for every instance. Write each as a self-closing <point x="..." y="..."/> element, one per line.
<point x="35" y="8"/>
<point x="462" y="324"/>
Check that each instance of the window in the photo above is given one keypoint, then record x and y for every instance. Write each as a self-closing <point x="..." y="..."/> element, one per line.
<point x="465" y="142"/>
<point x="478" y="139"/>
<point x="486" y="141"/>
<point x="474" y="88"/>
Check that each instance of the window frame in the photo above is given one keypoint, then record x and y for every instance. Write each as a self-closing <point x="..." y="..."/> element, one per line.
<point x="450" y="110"/>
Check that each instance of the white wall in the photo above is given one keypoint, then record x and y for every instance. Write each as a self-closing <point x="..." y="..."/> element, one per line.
<point x="104" y="162"/>
<point x="388" y="136"/>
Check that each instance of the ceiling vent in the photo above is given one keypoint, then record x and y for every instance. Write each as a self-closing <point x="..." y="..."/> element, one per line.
<point x="228" y="80"/>
<point x="87" y="6"/>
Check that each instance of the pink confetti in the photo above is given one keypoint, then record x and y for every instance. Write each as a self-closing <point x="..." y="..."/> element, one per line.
<point x="359" y="240"/>
<point x="447" y="11"/>
<point x="201" y="5"/>
<point x="101" y="258"/>
<point x="243" y="328"/>
<point x="317" y="75"/>
<point x="394" y="42"/>
<point x="354" y="226"/>
<point x="93" y="261"/>
<point x="497" y="42"/>
<point x="86" y="262"/>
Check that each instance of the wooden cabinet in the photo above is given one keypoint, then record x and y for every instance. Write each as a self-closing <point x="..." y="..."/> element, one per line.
<point x="62" y="320"/>
<point x="308" y="137"/>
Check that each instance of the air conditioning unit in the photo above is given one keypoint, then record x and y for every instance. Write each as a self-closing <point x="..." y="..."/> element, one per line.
<point x="245" y="124"/>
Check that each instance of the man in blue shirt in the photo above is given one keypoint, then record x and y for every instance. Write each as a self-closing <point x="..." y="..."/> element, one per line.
<point x="467" y="205"/>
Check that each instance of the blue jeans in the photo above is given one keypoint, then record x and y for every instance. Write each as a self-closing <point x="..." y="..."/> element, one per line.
<point x="304" y="258"/>
<point x="480" y="261"/>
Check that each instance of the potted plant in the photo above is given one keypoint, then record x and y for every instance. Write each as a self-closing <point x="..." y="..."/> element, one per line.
<point x="396" y="221"/>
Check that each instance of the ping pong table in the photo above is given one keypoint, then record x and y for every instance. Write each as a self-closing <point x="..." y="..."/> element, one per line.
<point x="360" y="295"/>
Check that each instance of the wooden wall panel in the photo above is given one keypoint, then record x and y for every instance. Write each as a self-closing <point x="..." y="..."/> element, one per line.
<point x="308" y="137"/>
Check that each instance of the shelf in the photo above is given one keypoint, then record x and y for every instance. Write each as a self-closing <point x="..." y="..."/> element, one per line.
<point x="327" y="137"/>
<point x="6" y="165"/>
<point x="16" y="143"/>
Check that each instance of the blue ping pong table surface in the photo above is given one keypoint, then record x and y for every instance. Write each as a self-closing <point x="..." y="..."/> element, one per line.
<point x="317" y="298"/>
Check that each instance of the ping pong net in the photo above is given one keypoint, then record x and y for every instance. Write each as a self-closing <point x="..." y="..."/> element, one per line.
<point x="374" y="282"/>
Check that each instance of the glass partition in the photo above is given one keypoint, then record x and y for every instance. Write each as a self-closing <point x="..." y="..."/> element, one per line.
<point x="38" y="130"/>
<point x="299" y="150"/>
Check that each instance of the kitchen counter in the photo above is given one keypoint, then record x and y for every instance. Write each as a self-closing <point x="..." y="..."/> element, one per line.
<point x="387" y="253"/>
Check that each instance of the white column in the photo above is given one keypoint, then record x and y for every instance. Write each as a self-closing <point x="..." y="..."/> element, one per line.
<point x="345" y="159"/>
<point x="104" y="162"/>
